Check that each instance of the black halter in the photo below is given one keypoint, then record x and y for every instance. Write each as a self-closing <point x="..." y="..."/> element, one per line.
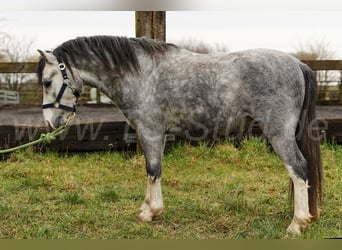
<point x="57" y="103"/>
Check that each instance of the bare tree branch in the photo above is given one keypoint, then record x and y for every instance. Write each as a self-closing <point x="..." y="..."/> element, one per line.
<point x="320" y="50"/>
<point x="14" y="49"/>
<point x="201" y="47"/>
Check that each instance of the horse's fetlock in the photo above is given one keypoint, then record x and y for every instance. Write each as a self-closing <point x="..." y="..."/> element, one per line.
<point x="303" y="221"/>
<point x="144" y="206"/>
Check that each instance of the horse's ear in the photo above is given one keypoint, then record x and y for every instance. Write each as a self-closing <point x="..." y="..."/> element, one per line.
<point x="47" y="55"/>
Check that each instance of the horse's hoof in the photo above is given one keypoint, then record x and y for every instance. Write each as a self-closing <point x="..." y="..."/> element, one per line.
<point x="294" y="229"/>
<point x="298" y="225"/>
<point x="145" y="216"/>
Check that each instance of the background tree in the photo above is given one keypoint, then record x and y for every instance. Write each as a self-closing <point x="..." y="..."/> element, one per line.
<point x="15" y="49"/>
<point x="202" y="47"/>
<point x="2" y="53"/>
<point x="2" y="34"/>
<point x="320" y="50"/>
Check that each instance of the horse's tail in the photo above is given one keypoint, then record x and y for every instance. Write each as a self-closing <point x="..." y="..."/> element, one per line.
<point x="308" y="140"/>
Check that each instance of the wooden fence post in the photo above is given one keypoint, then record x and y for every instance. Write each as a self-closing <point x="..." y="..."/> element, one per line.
<point x="150" y="24"/>
<point x="340" y="88"/>
<point x="159" y="25"/>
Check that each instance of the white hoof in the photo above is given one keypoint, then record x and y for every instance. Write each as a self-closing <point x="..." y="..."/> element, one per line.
<point x="145" y="216"/>
<point x="298" y="225"/>
<point x="294" y="229"/>
<point x="147" y="213"/>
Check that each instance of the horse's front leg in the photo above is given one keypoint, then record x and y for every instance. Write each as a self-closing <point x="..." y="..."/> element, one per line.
<point x="152" y="144"/>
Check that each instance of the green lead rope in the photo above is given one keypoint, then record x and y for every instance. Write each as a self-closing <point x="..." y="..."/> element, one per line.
<point x="44" y="138"/>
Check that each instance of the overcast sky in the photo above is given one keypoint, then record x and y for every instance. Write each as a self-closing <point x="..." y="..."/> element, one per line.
<point x="236" y="29"/>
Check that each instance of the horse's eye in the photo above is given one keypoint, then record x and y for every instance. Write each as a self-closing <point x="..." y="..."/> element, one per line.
<point x="47" y="84"/>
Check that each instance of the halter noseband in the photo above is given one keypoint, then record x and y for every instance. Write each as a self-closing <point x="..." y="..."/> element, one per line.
<point x="57" y="103"/>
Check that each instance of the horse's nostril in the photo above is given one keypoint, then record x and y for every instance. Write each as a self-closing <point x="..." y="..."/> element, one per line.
<point x="49" y="124"/>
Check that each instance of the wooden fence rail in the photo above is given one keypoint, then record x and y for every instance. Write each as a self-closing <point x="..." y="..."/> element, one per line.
<point x="18" y="67"/>
<point x="31" y="67"/>
<point x="115" y="138"/>
<point x="9" y="97"/>
<point x="324" y="64"/>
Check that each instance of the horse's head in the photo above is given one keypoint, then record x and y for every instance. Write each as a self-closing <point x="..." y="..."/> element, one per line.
<point x="60" y="92"/>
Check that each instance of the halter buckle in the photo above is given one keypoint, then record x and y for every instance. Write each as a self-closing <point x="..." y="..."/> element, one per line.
<point x="61" y="66"/>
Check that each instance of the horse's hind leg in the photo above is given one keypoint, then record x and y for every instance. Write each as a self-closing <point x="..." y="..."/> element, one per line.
<point x="302" y="216"/>
<point x="152" y="144"/>
<point x="287" y="149"/>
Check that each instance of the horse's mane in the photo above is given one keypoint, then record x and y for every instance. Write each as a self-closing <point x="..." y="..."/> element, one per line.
<point x="110" y="51"/>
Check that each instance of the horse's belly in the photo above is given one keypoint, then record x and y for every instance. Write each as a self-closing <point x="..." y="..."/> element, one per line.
<point x="210" y="129"/>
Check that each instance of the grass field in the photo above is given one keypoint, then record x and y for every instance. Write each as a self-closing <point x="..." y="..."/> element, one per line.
<point x="209" y="193"/>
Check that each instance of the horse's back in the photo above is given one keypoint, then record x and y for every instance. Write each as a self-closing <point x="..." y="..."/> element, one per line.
<point x="274" y="80"/>
<point x="238" y="82"/>
<point x="216" y="91"/>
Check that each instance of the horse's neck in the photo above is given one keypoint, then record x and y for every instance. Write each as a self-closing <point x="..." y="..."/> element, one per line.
<point x="104" y="81"/>
<point x="90" y="78"/>
<point x="115" y="87"/>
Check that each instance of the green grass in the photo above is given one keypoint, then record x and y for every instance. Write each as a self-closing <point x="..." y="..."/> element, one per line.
<point x="209" y="193"/>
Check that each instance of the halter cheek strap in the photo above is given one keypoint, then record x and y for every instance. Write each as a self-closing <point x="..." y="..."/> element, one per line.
<point x="57" y="103"/>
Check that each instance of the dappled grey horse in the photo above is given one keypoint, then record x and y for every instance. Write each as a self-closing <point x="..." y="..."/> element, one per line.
<point x="161" y="88"/>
